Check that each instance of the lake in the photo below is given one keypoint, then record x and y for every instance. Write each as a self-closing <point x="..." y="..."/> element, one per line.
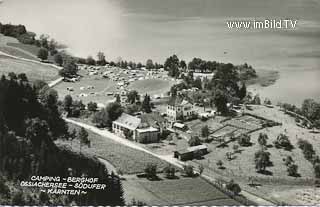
<point x="141" y="29"/>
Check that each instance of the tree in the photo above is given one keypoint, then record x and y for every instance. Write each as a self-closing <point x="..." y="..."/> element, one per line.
<point x="146" y="105"/>
<point x="220" y="100"/>
<point x="233" y="187"/>
<point x="101" y="59"/>
<point x="307" y="149"/>
<point x="219" y="164"/>
<point x="197" y="83"/>
<point x="201" y="169"/>
<point x="283" y="141"/>
<point x="92" y="106"/>
<point x="172" y="66"/>
<point x="262" y="139"/>
<point x="205" y="131"/>
<point x="58" y="59"/>
<point x="262" y="160"/>
<point x="288" y="160"/>
<point x="149" y="64"/>
<point x="194" y="141"/>
<point x="133" y="96"/>
<point x="118" y="99"/>
<point x="83" y="138"/>
<point x="151" y="171"/>
<point x="243" y="91"/>
<point x="43" y="54"/>
<point x="69" y="69"/>
<point x="188" y="170"/>
<point x="67" y="104"/>
<point x="183" y="65"/>
<point x="169" y="171"/>
<point x="106" y="116"/>
<point x="244" y="140"/>
<point x="257" y="100"/>
<point x="18" y="199"/>
<point x="316" y="168"/>
<point x="37" y="132"/>
<point x="292" y="170"/>
<point x="90" y="61"/>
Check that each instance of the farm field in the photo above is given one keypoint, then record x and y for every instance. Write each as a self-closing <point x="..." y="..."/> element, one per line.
<point x="33" y="71"/>
<point x="128" y="160"/>
<point x="181" y="191"/>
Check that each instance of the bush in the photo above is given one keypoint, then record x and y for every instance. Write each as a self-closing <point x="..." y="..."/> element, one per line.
<point x="188" y="170"/>
<point x="43" y="54"/>
<point x="244" y="140"/>
<point x="283" y="141"/>
<point x="233" y="187"/>
<point x="307" y="149"/>
<point x="292" y="170"/>
<point x="194" y="141"/>
<point x="169" y="171"/>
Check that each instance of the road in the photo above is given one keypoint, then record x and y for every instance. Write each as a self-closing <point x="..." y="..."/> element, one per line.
<point x="168" y="158"/>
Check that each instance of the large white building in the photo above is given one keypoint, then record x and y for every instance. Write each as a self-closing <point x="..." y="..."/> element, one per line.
<point x="180" y="109"/>
<point x="133" y="128"/>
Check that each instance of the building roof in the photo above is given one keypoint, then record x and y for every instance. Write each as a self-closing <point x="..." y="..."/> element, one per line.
<point x="178" y="100"/>
<point x="148" y="129"/>
<point x="198" y="147"/>
<point x="153" y="119"/>
<point x="179" y="125"/>
<point x="192" y="149"/>
<point x="128" y="121"/>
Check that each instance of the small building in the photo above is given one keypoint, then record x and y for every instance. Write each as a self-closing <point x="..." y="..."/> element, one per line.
<point x="191" y="152"/>
<point x="180" y="109"/>
<point x="203" y="76"/>
<point x="133" y="128"/>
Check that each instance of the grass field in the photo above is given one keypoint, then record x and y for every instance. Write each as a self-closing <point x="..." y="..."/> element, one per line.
<point x="29" y="48"/>
<point x="152" y="86"/>
<point x="181" y="191"/>
<point x="102" y="86"/>
<point x="12" y="47"/>
<point x="126" y="159"/>
<point x="33" y="71"/>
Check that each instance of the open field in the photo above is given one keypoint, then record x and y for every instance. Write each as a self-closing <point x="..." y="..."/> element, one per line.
<point x="181" y="191"/>
<point x="33" y="71"/>
<point x="126" y="159"/>
<point x="29" y="48"/>
<point x="100" y="87"/>
<point x="12" y="47"/>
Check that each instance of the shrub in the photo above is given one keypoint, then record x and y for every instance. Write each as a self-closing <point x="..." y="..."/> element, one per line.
<point x="194" y="141"/>
<point x="292" y="170"/>
<point x="188" y="170"/>
<point x="169" y="171"/>
<point x="233" y="187"/>
<point x="244" y="140"/>
<point x="283" y="141"/>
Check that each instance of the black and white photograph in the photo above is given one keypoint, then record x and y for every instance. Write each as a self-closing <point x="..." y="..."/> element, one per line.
<point x="159" y="102"/>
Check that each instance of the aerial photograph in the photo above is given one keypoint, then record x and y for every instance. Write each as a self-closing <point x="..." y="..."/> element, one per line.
<point x="159" y="102"/>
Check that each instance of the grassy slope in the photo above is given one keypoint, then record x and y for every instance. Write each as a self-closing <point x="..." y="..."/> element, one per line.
<point x="124" y="158"/>
<point x="181" y="191"/>
<point x="33" y="70"/>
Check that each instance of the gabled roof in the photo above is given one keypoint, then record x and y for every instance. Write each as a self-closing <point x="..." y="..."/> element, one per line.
<point x="128" y="121"/>
<point x="178" y="100"/>
<point x="153" y="119"/>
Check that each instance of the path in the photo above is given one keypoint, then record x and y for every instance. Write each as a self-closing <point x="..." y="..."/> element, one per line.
<point x="168" y="158"/>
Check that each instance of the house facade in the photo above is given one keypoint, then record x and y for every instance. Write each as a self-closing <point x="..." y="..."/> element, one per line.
<point x="133" y="128"/>
<point x="180" y="109"/>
